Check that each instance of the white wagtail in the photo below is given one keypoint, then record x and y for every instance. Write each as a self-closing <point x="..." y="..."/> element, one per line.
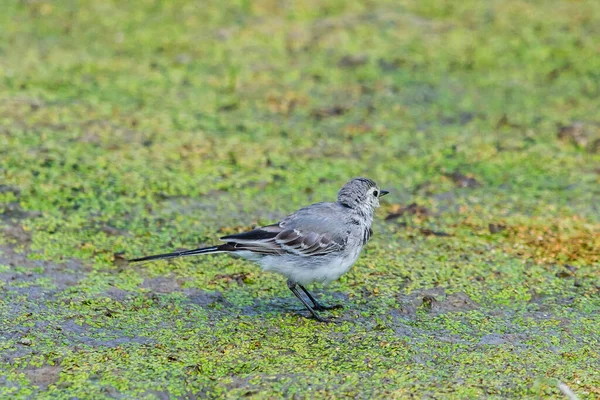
<point x="318" y="243"/>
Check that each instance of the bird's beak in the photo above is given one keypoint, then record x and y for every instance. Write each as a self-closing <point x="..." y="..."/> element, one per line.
<point x="383" y="193"/>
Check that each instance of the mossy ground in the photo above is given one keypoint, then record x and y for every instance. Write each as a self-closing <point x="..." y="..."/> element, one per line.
<point x="129" y="128"/>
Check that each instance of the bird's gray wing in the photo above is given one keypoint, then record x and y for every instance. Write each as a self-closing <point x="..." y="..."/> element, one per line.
<point x="307" y="243"/>
<point x="260" y="240"/>
<point x="312" y="231"/>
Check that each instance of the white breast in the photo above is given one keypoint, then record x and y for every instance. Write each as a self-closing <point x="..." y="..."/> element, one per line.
<point x="305" y="270"/>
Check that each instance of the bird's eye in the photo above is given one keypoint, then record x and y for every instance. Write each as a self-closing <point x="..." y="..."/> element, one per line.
<point x="376" y="193"/>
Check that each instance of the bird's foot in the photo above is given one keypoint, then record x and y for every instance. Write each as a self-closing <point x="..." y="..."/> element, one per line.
<point x="321" y="307"/>
<point x="323" y="320"/>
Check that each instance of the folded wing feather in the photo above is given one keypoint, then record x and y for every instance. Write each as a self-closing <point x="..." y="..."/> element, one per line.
<point x="274" y="239"/>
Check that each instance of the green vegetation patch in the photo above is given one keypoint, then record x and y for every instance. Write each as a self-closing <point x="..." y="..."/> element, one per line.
<point x="135" y="128"/>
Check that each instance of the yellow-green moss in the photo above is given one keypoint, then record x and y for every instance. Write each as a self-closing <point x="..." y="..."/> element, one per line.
<point x="139" y="127"/>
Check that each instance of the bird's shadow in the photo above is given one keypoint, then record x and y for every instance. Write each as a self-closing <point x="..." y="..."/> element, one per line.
<point x="218" y="305"/>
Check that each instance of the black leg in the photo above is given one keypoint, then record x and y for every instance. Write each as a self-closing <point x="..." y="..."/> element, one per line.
<point x="318" y="306"/>
<point x="292" y="287"/>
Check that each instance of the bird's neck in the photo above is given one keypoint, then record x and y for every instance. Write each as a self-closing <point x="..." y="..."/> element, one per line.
<point x="364" y="218"/>
<point x="366" y="214"/>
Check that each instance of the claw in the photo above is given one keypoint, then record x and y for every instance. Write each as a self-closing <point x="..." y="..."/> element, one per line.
<point x="321" y="307"/>
<point x="293" y="286"/>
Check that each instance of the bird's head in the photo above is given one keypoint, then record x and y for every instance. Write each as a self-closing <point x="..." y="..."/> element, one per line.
<point x="361" y="194"/>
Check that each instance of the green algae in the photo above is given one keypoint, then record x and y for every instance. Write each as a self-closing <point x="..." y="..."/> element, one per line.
<point x="145" y="127"/>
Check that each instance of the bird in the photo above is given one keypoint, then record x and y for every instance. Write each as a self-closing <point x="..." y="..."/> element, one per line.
<point x="318" y="243"/>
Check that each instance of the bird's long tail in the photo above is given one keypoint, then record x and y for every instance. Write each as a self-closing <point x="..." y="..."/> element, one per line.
<point x="183" y="253"/>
